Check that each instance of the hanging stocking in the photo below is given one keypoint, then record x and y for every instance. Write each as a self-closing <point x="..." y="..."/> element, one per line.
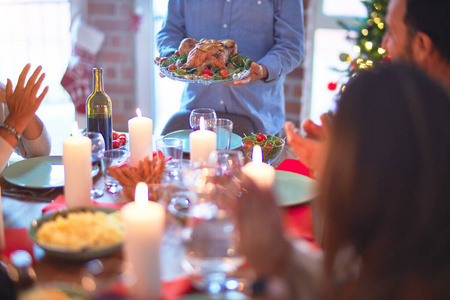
<point x="77" y="80"/>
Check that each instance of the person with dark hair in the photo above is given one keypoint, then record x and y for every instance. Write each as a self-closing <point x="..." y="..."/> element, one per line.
<point x="383" y="198"/>
<point x="417" y="34"/>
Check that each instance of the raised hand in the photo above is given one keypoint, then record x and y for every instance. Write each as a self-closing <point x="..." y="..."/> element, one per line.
<point x="2" y="92"/>
<point x="24" y="100"/>
<point x="310" y="150"/>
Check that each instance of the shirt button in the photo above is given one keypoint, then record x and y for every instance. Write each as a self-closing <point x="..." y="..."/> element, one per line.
<point x="228" y="0"/>
<point x="259" y="2"/>
<point x="225" y="25"/>
<point x="221" y="102"/>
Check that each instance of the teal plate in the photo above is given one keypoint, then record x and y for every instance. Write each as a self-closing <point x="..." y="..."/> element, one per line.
<point x="228" y="295"/>
<point x="41" y="172"/>
<point x="184" y="135"/>
<point x="82" y="255"/>
<point x="292" y="188"/>
<point x="71" y="291"/>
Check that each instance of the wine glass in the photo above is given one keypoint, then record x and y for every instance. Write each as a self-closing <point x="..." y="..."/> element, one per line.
<point x="212" y="254"/>
<point x="208" y="114"/>
<point x="227" y="161"/>
<point x="97" y="152"/>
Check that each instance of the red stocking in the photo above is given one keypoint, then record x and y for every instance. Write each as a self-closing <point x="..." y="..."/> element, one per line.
<point x="78" y="77"/>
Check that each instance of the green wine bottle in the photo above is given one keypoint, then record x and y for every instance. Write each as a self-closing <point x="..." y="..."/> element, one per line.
<point x="99" y="109"/>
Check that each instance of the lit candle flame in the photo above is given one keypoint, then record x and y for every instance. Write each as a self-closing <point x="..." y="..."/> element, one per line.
<point x="257" y="154"/>
<point x="141" y="193"/>
<point x="75" y="128"/>
<point x="138" y="112"/>
<point x="202" y="123"/>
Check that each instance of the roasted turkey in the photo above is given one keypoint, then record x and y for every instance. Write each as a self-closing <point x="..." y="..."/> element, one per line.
<point x="207" y="53"/>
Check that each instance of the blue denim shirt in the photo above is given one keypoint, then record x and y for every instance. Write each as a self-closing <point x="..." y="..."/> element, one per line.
<point x="270" y="32"/>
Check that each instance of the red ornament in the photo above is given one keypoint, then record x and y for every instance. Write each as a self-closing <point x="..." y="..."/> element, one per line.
<point x="386" y="60"/>
<point x="332" y="86"/>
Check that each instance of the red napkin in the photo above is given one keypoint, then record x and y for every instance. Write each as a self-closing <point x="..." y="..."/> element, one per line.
<point x="176" y="288"/>
<point x="294" y="165"/>
<point x="298" y="219"/>
<point x="60" y="204"/>
<point x="17" y="239"/>
<point x="170" y="290"/>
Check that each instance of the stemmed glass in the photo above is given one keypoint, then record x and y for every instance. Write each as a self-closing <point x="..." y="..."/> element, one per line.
<point x="97" y="150"/>
<point x="211" y="242"/>
<point x="208" y="114"/>
<point x="212" y="253"/>
<point x="227" y="161"/>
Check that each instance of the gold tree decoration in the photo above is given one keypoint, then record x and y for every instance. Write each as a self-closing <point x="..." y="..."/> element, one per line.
<point x="367" y="34"/>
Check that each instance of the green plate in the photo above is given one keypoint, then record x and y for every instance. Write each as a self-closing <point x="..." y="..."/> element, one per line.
<point x="72" y="291"/>
<point x="38" y="172"/>
<point x="228" y="295"/>
<point x="292" y="188"/>
<point x="83" y="255"/>
<point x="184" y="135"/>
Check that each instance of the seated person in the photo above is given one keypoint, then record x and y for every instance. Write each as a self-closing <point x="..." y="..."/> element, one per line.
<point x="418" y="35"/>
<point x="383" y="200"/>
<point x="20" y="128"/>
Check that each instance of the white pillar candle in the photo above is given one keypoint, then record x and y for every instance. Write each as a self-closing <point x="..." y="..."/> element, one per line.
<point x="141" y="130"/>
<point x="77" y="169"/>
<point x="2" y="227"/>
<point x="202" y="142"/>
<point x="144" y="223"/>
<point x="260" y="172"/>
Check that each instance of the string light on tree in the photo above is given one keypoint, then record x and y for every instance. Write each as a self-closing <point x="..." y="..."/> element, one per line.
<point x="367" y="34"/>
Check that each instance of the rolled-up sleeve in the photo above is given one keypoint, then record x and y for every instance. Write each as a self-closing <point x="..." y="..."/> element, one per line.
<point x="287" y="52"/>
<point x="173" y="30"/>
<point x="37" y="147"/>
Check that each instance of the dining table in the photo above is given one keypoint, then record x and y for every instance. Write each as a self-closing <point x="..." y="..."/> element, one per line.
<point x="20" y="212"/>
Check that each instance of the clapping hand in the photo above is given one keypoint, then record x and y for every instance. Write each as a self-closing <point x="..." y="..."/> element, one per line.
<point x="2" y="92"/>
<point x="24" y="100"/>
<point x="311" y="149"/>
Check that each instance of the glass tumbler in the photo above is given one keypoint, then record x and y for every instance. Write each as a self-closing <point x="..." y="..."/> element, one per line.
<point x="208" y="114"/>
<point x="112" y="158"/>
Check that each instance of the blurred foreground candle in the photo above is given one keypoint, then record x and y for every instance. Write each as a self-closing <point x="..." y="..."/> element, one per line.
<point x="2" y="228"/>
<point x="141" y="130"/>
<point x="144" y="227"/>
<point x="202" y="142"/>
<point x="262" y="173"/>
<point x="77" y="169"/>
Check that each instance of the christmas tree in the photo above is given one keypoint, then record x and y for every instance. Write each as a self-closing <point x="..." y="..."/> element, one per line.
<point x="367" y="34"/>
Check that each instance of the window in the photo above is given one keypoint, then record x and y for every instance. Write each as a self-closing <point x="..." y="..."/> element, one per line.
<point x="329" y="41"/>
<point x="167" y="92"/>
<point x="38" y="32"/>
<point x="343" y="8"/>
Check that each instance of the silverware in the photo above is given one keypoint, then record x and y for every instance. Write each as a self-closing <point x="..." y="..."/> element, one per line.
<point x="26" y="194"/>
